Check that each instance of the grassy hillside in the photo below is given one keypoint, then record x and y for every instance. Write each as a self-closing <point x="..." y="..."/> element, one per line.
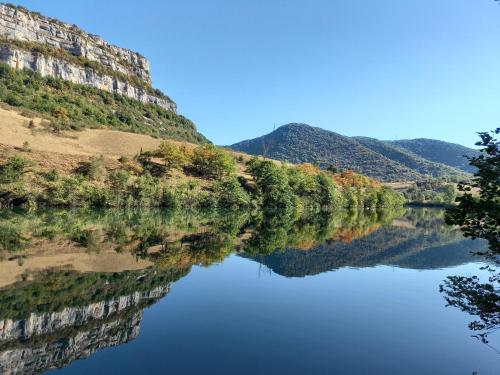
<point x="108" y="168"/>
<point x="436" y="151"/>
<point x="66" y="105"/>
<point x="408" y="158"/>
<point x="303" y="143"/>
<point x="300" y="143"/>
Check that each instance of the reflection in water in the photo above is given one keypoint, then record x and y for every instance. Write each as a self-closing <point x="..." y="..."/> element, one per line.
<point x="74" y="282"/>
<point x="477" y="298"/>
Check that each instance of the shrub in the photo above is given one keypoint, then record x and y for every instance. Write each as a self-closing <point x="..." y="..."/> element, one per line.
<point x="230" y="194"/>
<point x="173" y="156"/>
<point x="213" y="162"/>
<point x="272" y="184"/>
<point x="14" y="169"/>
<point x="92" y="169"/>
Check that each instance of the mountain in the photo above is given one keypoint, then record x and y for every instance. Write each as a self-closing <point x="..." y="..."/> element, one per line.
<point x="439" y="152"/>
<point x="298" y="143"/>
<point x="382" y="160"/>
<point x="408" y="158"/>
<point x="75" y="80"/>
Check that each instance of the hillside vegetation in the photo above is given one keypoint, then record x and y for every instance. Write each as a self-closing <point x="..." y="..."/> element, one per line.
<point x="408" y="158"/>
<point x="66" y="105"/>
<point x="381" y="160"/>
<point x="176" y="174"/>
<point x="437" y="151"/>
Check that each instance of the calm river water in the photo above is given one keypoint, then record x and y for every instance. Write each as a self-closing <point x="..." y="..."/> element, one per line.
<point x="154" y="292"/>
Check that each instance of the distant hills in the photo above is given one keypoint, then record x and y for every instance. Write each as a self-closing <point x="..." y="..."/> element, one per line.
<point x="405" y="160"/>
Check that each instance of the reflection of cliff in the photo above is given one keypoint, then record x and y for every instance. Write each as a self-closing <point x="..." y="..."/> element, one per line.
<point x="55" y="351"/>
<point x="405" y="247"/>
<point x="60" y="316"/>
<point x="50" y="322"/>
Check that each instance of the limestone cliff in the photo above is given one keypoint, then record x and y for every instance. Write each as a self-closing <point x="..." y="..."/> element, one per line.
<point x="53" y="48"/>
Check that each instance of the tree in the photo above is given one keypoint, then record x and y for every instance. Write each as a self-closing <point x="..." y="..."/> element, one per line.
<point x="449" y="193"/>
<point x="213" y="162"/>
<point x="272" y="184"/>
<point x="478" y="215"/>
<point x="478" y="210"/>
<point x="173" y="156"/>
<point x="230" y="194"/>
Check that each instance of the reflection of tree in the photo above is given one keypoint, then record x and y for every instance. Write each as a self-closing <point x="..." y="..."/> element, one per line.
<point x="472" y="296"/>
<point x="478" y="215"/>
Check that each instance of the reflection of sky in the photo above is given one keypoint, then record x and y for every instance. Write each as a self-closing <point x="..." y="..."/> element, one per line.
<point x="379" y="320"/>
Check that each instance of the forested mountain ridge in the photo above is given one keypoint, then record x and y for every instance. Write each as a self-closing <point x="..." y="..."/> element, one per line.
<point x="451" y="154"/>
<point x="408" y="158"/>
<point x="382" y="160"/>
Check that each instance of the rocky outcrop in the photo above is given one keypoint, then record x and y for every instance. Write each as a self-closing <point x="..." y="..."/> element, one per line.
<point x="48" y="323"/>
<point x="18" y="24"/>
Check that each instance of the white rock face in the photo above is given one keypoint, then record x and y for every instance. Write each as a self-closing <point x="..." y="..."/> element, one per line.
<point x="16" y="24"/>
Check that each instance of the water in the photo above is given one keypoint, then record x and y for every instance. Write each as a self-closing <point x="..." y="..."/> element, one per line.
<point x="154" y="292"/>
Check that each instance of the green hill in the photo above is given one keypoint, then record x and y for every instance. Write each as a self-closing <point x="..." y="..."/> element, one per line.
<point x="298" y="143"/>
<point x="436" y="151"/>
<point x="408" y="158"/>
<point x="382" y="160"/>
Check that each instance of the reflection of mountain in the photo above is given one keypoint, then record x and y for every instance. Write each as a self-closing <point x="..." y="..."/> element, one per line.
<point x="408" y="247"/>
<point x="62" y="316"/>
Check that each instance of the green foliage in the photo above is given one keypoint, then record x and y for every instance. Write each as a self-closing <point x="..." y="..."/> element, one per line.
<point x="431" y="192"/>
<point x="213" y="162"/>
<point x="327" y="195"/>
<point x="173" y="156"/>
<point x="423" y="163"/>
<point x="13" y="169"/>
<point x="479" y="216"/>
<point x="273" y="189"/>
<point x="73" y="106"/>
<point x="229" y="194"/>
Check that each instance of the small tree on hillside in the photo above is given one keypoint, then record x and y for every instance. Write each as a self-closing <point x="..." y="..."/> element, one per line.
<point x="173" y="156"/>
<point x="212" y="161"/>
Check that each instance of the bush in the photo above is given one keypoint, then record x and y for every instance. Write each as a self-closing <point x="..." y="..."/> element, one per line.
<point x="272" y="184"/>
<point x="173" y="156"/>
<point x="14" y="169"/>
<point x="213" y="162"/>
<point x="230" y="194"/>
<point x="92" y="169"/>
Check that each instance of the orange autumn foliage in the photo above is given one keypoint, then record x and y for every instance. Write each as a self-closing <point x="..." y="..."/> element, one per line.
<point x="350" y="178"/>
<point x="308" y="169"/>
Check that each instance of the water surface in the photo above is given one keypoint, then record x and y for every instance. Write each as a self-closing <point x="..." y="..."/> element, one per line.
<point x="157" y="292"/>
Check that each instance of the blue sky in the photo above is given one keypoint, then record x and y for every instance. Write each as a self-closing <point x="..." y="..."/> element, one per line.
<point x="390" y="69"/>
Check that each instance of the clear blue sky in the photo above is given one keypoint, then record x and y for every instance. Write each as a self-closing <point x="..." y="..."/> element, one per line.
<point x="387" y="68"/>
